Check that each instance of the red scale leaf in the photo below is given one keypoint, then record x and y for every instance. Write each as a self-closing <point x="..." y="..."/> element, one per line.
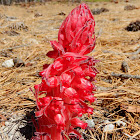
<point x="78" y="123"/>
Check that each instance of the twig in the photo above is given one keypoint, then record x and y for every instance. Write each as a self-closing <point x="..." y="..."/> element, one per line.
<point x="131" y="55"/>
<point x="104" y="88"/>
<point x="118" y="53"/>
<point x="113" y="52"/>
<point x="126" y="76"/>
<point x="11" y="48"/>
<point x="28" y="99"/>
<point x="108" y="94"/>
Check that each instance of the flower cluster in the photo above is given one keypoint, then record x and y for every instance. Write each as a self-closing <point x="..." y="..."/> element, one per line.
<point x="67" y="82"/>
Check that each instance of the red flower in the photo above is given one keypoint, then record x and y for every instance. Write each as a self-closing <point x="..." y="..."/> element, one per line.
<point x="67" y="82"/>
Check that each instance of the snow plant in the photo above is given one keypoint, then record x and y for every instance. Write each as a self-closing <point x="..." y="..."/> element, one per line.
<point x="67" y="82"/>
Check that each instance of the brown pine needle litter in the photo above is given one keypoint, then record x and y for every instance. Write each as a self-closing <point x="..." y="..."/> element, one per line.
<point x="118" y="97"/>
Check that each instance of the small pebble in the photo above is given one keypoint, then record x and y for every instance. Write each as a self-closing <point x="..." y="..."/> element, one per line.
<point x="120" y="123"/>
<point x="90" y="123"/>
<point x="108" y="127"/>
<point x="8" y="63"/>
<point x="37" y="15"/>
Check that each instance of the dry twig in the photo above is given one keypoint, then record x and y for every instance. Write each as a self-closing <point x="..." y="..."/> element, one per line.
<point x="126" y="76"/>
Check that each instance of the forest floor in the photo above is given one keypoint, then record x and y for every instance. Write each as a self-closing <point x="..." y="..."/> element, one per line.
<point x="25" y="32"/>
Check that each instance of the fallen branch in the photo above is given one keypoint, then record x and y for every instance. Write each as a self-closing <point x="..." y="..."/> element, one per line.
<point x="126" y="76"/>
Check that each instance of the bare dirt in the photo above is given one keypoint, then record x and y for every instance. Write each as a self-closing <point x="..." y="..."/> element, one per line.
<point x="25" y="32"/>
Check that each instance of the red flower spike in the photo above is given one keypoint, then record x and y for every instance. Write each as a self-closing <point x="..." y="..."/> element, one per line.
<point x="67" y="82"/>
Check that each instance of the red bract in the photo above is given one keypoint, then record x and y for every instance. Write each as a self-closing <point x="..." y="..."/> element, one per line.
<point x="75" y="33"/>
<point x="67" y="82"/>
